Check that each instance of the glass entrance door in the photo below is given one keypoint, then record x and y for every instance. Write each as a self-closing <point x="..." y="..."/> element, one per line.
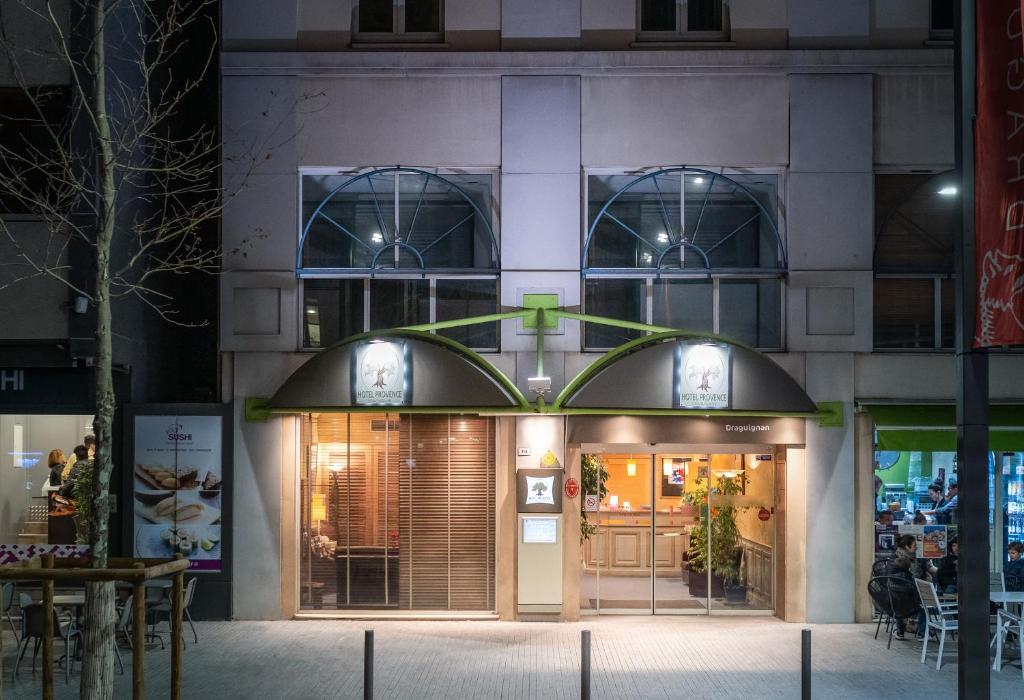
<point x="679" y="533"/>
<point x="742" y="532"/>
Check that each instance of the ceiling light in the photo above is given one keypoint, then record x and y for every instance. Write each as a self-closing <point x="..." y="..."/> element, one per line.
<point x="377" y="238"/>
<point x="662" y="238"/>
<point x="948" y="191"/>
<point x="698" y="180"/>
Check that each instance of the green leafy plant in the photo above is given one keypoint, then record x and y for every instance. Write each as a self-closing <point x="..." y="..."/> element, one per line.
<point x="593" y="477"/>
<point x="84" y="489"/>
<point x="725" y="535"/>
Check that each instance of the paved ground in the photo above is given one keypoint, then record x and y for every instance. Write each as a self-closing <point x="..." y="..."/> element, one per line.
<point x="633" y="657"/>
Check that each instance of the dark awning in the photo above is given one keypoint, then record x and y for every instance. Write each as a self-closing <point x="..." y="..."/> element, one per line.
<point x="400" y="370"/>
<point x="683" y="372"/>
<point x="932" y="427"/>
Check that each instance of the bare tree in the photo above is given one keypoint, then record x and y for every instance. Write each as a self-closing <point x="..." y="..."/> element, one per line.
<point x="106" y="162"/>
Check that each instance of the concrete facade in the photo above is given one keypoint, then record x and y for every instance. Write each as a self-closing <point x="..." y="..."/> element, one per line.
<point x="845" y="91"/>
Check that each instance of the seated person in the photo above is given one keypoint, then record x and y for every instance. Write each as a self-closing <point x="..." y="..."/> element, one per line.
<point x="944" y="575"/>
<point x="884" y="518"/>
<point x="903" y="564"/>
<point x="920" y="518"/>
<point x="1013" y="570"/>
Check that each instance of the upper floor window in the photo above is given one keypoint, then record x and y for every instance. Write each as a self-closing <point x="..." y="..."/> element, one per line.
<point x="673" y="20"/>
<point x="399" y="20"/>
<point x="941" y="20"/>
<point x="684" y="248"/>
<point x="397" y="247"/>
<point x="34" y="131"/>
<point x="915" y="221"/>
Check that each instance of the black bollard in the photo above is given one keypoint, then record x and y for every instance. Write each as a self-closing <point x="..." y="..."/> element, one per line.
<point x="585" y="665"/>
<point x="368" y="665"/>
<point x="805" y="665"/>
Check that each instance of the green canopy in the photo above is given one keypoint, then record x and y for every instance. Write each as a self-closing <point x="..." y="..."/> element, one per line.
<point x="932" y="428"/>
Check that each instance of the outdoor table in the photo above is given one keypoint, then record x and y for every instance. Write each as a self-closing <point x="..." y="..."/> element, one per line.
<point x="1007" y="597"/>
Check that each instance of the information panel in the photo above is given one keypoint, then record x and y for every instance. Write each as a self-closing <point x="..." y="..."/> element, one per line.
<point x="538" y="530"/>
<point x="177" y="488"/>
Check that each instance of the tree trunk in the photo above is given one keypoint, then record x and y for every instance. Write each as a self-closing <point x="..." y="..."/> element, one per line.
<point x="98" y="656"/>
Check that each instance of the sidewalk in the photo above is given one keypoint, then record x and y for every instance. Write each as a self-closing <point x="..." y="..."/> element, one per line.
<point x="633" y="657"/>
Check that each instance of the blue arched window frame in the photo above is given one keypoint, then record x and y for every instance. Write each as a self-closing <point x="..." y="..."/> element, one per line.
<point x="397" y="241"/>
<point x="660" y="256"/>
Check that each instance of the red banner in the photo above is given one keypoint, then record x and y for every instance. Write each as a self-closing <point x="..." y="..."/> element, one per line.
<point x="999" y="174"/>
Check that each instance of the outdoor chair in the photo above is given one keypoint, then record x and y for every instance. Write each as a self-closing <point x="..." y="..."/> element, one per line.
<point x="32" y="624"/>
<point x="940" y="617"/>
<point x="894" y="596"/>
<point x="162" y="611"/>
<point x="6" y="603"/>
<point x="1007" y="621"/>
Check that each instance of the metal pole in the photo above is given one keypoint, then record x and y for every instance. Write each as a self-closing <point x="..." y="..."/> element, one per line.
<point x="805" y="665"/>
<point x="368" y="665"/>
<point x="585" y="665"/>
<point x="973" y="679"/>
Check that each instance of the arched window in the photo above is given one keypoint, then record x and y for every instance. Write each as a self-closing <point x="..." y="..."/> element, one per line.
<point x="684" y="248"/>
<point x="393" y="247"/>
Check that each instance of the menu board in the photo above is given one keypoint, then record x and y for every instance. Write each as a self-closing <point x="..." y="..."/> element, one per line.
<point x="178" y="486"/>
<point x="931" y="539"/>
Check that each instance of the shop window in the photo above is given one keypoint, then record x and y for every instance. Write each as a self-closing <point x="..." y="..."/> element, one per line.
<point x="915" y="221"/>
<point x="674" y="20"/>
<point x="396" y="247"/>
<point x="397" y="512"/>
<point x="685" y="248"/>
<point x="399" y="20"/>
<point x="32" y="511"/>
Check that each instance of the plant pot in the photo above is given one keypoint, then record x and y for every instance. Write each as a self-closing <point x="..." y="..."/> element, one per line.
<point x="698" y="583"/>
<point x="735" y="595"/>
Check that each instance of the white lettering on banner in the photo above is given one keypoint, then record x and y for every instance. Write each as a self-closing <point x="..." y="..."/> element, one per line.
<point x="12" y="380"/>
<point x="729" y="428"/>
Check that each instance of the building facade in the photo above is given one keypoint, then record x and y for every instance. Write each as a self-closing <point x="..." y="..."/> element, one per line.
<point x="766" y="175"/>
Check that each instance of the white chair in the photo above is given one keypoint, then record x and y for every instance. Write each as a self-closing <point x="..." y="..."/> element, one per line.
<point x="940" y="617"/>
<point x="1007" y="621"/>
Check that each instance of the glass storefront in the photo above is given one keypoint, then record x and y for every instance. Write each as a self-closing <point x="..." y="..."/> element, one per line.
<point x="903" y="478"/>
<point x="29" y="516"/>
<point x="679" y="533"/>
<point x="397" y="511"/>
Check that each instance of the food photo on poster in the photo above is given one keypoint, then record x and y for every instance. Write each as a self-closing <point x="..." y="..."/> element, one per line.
<point x="178" y="488"/>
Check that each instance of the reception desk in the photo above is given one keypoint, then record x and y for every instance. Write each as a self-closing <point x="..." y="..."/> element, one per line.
<point x="622" y="543"/>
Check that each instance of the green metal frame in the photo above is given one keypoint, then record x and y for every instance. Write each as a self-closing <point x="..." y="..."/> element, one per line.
<point x="538" y="318"/>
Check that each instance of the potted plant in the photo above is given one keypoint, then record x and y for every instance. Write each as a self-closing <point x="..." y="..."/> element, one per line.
<point x="593" y="477"/>
<point x="724" y="555"/>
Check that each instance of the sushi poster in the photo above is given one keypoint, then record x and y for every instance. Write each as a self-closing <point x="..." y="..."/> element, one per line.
<point x="178" y="487"/>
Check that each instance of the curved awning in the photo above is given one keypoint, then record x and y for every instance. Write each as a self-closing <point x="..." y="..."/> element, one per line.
<point x="402" y="370"/>
<point x="684" y="372"/>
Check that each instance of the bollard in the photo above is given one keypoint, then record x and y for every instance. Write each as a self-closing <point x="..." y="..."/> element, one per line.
<point x="805" y="665"/>
<point x="585" y="665"/>
<point x="368" y="665"/>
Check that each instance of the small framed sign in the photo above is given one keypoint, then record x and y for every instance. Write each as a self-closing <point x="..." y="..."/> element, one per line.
<point x="381" y="373"/>
<point x="539" y="491"/>
<point x="702" y="376"/>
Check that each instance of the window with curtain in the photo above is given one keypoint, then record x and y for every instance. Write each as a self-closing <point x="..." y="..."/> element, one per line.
<point x="394" y="247"/>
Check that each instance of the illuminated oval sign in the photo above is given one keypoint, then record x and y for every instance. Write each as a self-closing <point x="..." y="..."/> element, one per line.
<point x="702" y="376"/>
<point x="381" y="374"/>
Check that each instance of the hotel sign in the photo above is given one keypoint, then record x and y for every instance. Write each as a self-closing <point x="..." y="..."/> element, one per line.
<point x="381" y="374"/>
<point x="702" y="376"/>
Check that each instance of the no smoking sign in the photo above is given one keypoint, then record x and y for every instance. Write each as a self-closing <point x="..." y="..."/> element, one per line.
<point x="590" y="502"/>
